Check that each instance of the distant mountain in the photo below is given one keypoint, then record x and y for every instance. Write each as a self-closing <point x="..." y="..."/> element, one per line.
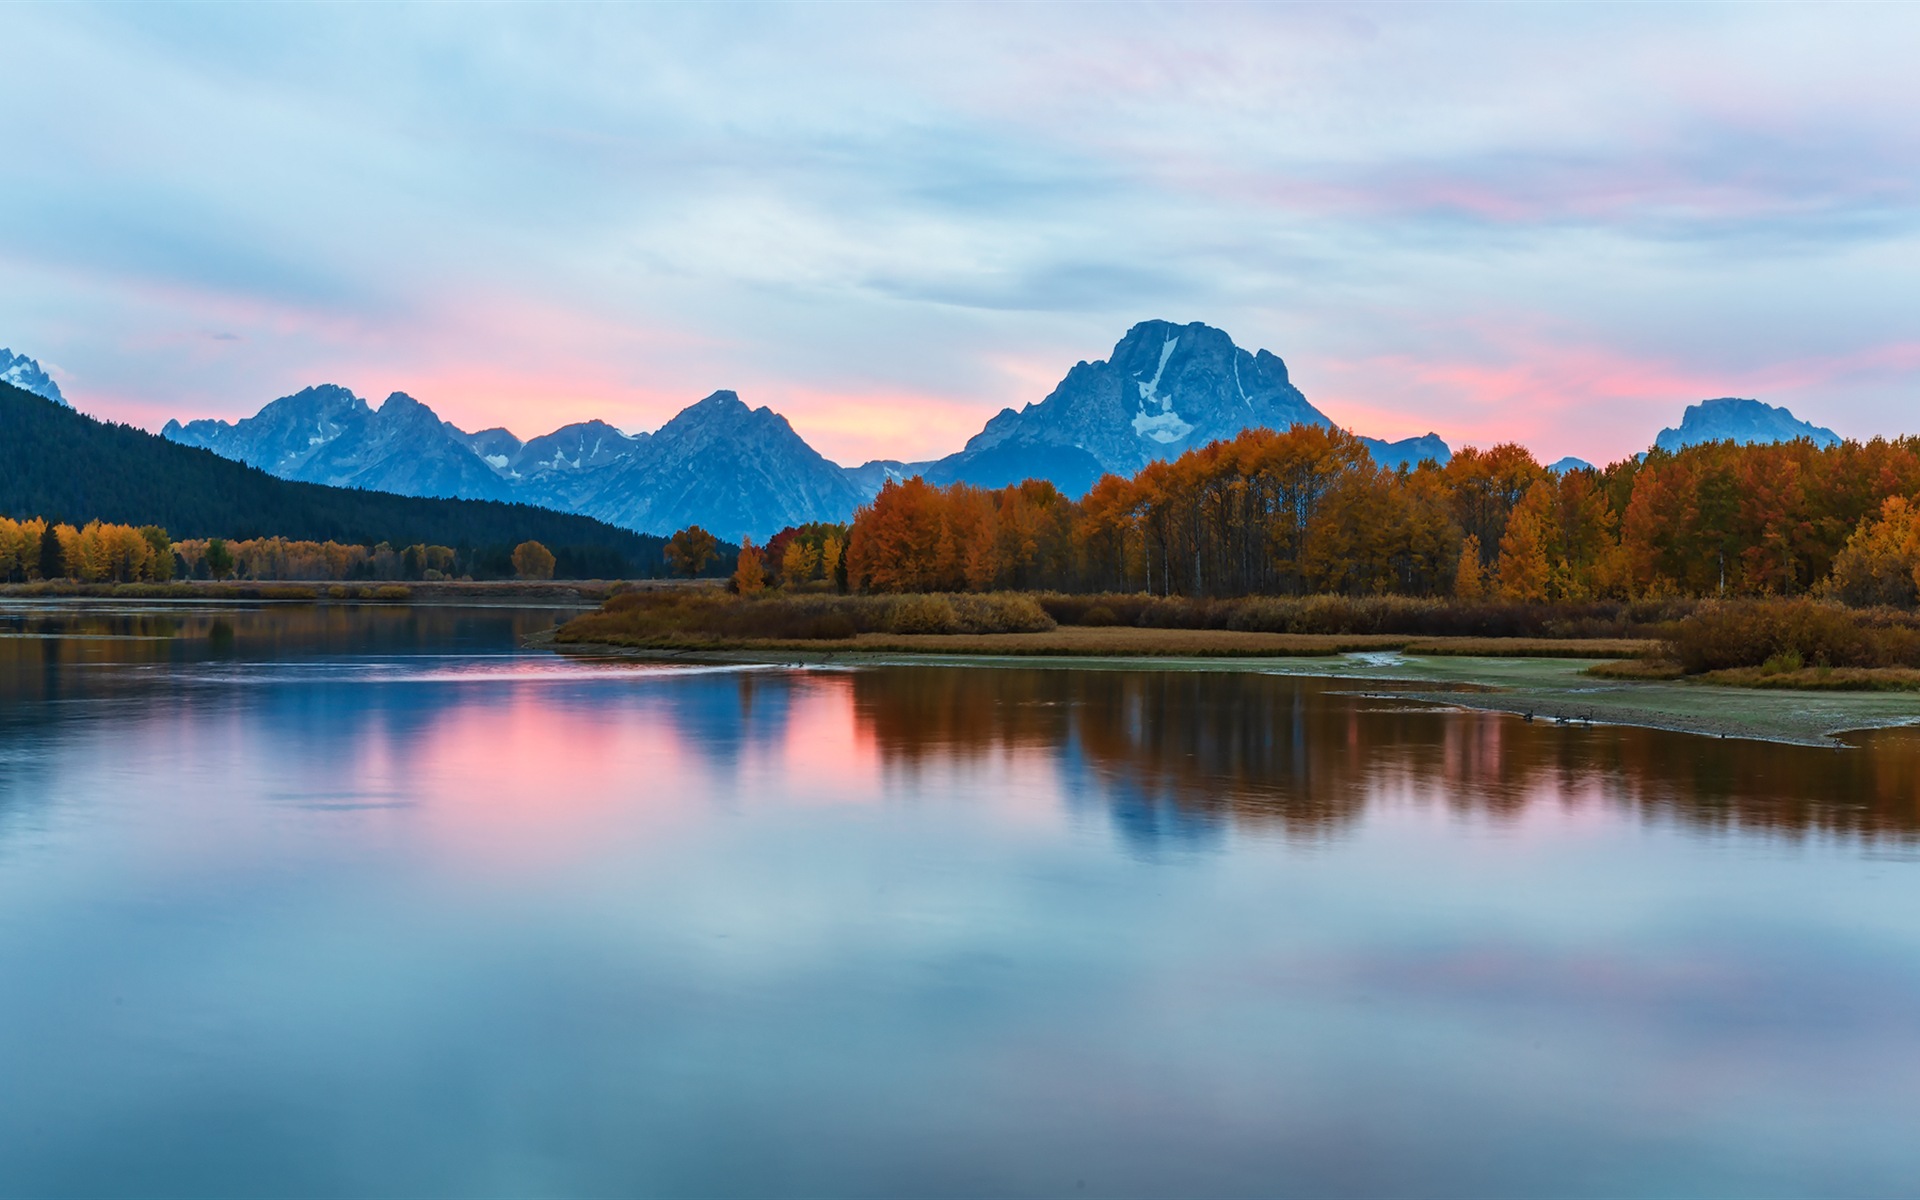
<point x="1730" y="419"/>
<point x="869" y="477"/>
<point x="329" y="435"/>
<point x="1165" y="390"/>
<point x="58" y="463"/>
<point x="736" y="471"/>
<point x="1569" y="463"/>
<point x="1409" y="452"/>
<point x="24" y="373"/>
<point x="560" y="469"/>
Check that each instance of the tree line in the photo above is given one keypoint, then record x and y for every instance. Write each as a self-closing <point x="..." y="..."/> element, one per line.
<point x="102" y="552"/>
<point x="1308" y="511"/>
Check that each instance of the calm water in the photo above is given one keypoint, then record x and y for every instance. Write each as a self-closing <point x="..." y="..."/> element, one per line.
<point x="365" y="901"/>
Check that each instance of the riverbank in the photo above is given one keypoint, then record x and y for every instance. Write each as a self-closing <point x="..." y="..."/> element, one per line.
<point x="1549" y="687"/>
<point x="570" y="593"/>
<point x="1123" y="641"/>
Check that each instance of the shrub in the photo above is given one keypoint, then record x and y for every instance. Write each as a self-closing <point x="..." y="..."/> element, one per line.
<point x="922" y="614"/>
<point x="1000" y="612"/>
<point x="1784" y="636"/>
<point x="1333" y="614"/>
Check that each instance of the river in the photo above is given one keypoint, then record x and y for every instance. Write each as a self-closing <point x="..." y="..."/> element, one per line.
<point x="363" y="900"/>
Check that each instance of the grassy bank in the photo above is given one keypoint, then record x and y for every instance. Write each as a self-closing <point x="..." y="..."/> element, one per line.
<point x="1785" y="645"/>
<point x="1070" y="641"/>
<point x="1023" y="624"/>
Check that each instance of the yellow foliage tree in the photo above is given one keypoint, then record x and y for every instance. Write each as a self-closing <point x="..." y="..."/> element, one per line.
<point x="830" y="552"/>
<point x="531" y="560"/>
<point x="749" y="572"/>
<point x="1470" y="583"/>
<point x="1526" y="560"/>
<point x="1880" y="563"/>
<point x="800" y="562"/>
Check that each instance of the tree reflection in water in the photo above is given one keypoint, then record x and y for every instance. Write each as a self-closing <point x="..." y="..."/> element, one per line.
<point x="1306" y="756"/>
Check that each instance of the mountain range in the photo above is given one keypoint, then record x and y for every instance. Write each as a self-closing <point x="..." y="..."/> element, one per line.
<point x="743" y="472"/>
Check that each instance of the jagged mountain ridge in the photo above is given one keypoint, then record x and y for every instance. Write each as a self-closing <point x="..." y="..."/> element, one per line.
<point x="24" y="373"/>
<point x="1732" y="419"/>
<point x="744" y="472"/>
<point x="328" y="435"/>
<point x="737" y="471"/>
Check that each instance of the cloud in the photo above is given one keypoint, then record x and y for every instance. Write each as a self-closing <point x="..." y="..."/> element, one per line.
<point x="1444" y="217"/>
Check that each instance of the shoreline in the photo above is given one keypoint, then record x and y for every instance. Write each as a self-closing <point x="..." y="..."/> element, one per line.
<point x="1554" y="689"/>
<point x="585" y="594"/>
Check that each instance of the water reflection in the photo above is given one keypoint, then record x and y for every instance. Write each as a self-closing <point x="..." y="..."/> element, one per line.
<point x="1173" y="758"/>
<point x="364" y="901"/>
<point x="1306" y="757"/>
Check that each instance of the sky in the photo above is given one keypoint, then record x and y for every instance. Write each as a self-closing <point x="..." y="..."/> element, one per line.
<point x="1554" y="224"/>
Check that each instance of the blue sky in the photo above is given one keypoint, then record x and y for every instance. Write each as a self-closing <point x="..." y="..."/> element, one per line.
<point x="1553" y="223"/>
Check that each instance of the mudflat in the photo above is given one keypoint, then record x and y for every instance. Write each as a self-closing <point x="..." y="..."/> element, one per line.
<point x="1552" y="686"/>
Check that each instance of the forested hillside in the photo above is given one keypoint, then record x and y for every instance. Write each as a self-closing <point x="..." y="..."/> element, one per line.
<point x="63" y="465"/>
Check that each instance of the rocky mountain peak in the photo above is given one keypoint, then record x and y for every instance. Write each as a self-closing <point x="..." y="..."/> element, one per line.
<point x="1733" y="419"/>
<point x="24" y="373"/>
<point x="739" y="471"/>
<point x="1164" y="390"/>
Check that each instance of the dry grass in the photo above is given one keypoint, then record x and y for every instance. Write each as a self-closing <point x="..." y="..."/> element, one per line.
<point x="1820" y="679"/>
<point x="1643" y="669"/>
<point x="1125" y="641"/>
<point x="1521" y="647"/>
<point x="1068" y="640"/>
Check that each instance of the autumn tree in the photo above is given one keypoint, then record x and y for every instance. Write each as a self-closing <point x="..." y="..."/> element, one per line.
<point x="799" y="561"/>
<point x="1526" y="550"/>
<point x="531" y="560"/>
<point x="1880" y="563"/>
<point x="1470" y="578"/>
<point x="690" y="550"/>
<point x="749" y="570"/>
<point x="833" y="564"/>
<point x="1486" y="485"/>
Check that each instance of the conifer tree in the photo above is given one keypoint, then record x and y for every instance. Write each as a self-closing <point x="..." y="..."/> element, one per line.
<point x="53" y="558"/>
